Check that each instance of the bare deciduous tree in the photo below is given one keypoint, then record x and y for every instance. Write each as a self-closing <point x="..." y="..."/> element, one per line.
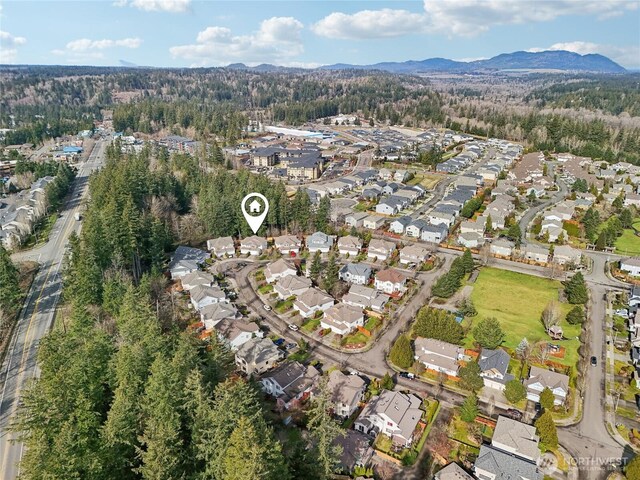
<point x="485" y="254"/>
<point x="551" y="315"/>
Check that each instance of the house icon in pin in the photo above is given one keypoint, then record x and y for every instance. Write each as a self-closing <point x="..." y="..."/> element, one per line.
<point x="254" y="207"/>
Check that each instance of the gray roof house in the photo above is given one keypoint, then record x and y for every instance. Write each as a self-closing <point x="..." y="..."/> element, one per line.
<point x="203" y="295"/>
<point x="355" y="219"/>
<point x="278" y="269"/>
<point x="517" y="438"/>
<point x="493" y="368"/>
<point x="186" y="260"/>
<point x="494" y="464"/>
<point x="415" y="228"/>
<point x="291" y="285"/>
<point x="380" y="249"/>
<point x="290" y="383"/>
<point x="253" y="245"/>
<point x="400" y="224"/>
<point x="356" y="450"/>
<point x="197" y="278"/>
<point x="366" y="298"/>
<point x="394" y="414"/>
<point x="312" y="301"/>
<point x="346" y="392"/>
<point x="213" y="313"/>
<point x="453" y="471"/>
<point x="320" y="242"/>
<point x="287" y="244"/>
<point x="342" y="318"/>
<point x="413" y="254"/>
<point x="357" y="273"/>
<point x="539" y="379"/>
<point x="438" y="356"/>
<point x="434" y="233"/>
<point x="258" y="355"/>
<point x="221" y="246"/>
<point x="349" y="245"/>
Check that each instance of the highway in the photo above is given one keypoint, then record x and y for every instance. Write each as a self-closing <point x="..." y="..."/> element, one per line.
<point x="35" y="320"/>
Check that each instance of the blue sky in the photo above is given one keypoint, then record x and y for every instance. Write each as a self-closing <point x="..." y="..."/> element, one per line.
<point x="184" y="33"/>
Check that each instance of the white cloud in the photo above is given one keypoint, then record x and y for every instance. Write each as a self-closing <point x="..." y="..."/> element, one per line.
<point x="278" y="40"/>
<point x="84" y="44"/>
<point x="172" y="6"/>
<point x="628" y="56"/>
<point x="461" y="17"/>
<point x="8" y="44"/>
<point x="7" y="40"/>
<point x="370" y="24"/>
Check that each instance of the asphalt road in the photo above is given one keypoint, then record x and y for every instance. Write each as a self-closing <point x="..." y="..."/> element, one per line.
<point x="35" y="320"/>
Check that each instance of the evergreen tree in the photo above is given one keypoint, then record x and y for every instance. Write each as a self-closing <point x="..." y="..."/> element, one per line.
<point x="626" y="218"/>
<point x="514" y="391"/>
<point x="632" y="470"/>
<point x="321" y="218"/>
<point x="469" y="408"/>
<point x="324" y="431"/>
<point x="438" y="324"/>
<point x="387" y="382"/>
<point x="515" y="234"/>
<point x="576" y="290"/>
<point x="489" y="333"/>
<point x="489" y="225"/>
<point x="576" y="315"/>
<point x="9" y="283"/>
<point x="546" y="430"/>
<point x="316" y="266"/>
<point x="401" y="353"/>
<point x="547" y="399"/>
<point x="470" y="378"/>
<point x="467" y="261"/>
<point x="331" y="274"/>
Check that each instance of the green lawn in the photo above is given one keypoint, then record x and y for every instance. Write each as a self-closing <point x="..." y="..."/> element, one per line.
<point x="427" y="181"/>
<point x="372" y="323"/>
<point x="628" y="243"/>
<point x="517" y="301"/>
<point x="311" y="325"/>
<point x="355" y="338"/>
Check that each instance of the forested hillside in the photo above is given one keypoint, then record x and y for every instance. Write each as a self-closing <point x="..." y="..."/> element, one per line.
<point x="126" y="391"/>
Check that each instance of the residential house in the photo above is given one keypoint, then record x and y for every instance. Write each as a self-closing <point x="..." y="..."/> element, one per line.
<point x="195" y="279"/>
<point x="186" y="260"/>
<point x="278" y="269"/>
<point x="258" y="355"/>
<point x="356" y="273"/>
<point x="438" y="356"/>
<point x="385" y="174"/>
<point x="494" y="464"/>
<point x="401" y="176"/>
<point x="235" y="333"/>
<point x="355" y="219"/>
<point x="400" y="224"/>
<point x="564" y="254"/>
<point x="442" y="218"/>
<point x="394" y="414"/>
<point x="291" y="285"/>
<point x="312" y="301"/>
<point x="365" y="298"/>
<point x="631" y="266"/>
<point x="415" y="228"/>
<point x="349" y="245"/>
<point x="214" y="313"/>
<point x="389" y="206"/>
<point x="342" y="318"/>
<point x="539" y="379"/>
<point x="502" y="247"/>
<point x="203" y="295"/>
<point x="517" y="438"/>
<point x="373" y="222"/>
<point x="632" y="199"/>
<point x="493" y="368"/>
<point x="221" y="247"/>
<point x="414" y="254"/>
<point x="288" y="244"/>
<point x="470" y="240"/>
<point x="434" y="233"/>
<point x="291" y="383"/>
<point x="536" y="253"/>
<point x="453" y="471"/>
<point x="253" y="245"/>
<point x="347" y="391"/>
<point x="391" y="282"/>
<point x="380" y="249"/>
<point x="320" y="242"/>
<point x="356" y="450"/>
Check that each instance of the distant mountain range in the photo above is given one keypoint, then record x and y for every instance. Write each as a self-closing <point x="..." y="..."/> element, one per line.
<point x="561" y="60"/>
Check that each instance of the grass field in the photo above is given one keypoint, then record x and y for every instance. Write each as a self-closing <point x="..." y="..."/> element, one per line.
<point x="628" y="243"/>
<point x="517" y="301"/>
<point x="426" y="180"/>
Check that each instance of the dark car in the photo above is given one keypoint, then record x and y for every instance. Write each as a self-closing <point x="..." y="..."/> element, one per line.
<point x="408" y="375"/>
<point x="514" y="414"/>
<point x="279" y="341"/>
<point x="594" y="361"/>
<point x="538" y="407"/>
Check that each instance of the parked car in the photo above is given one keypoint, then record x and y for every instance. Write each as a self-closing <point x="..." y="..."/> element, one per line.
<point x="408" y="375"/>
<point x="514" y="414"/>
<point x="279" y="341"/>
<point x="538" y="407"/>
<point x="290" y="346"/>
<point x="294" y="327"/>
<point x="266" y="307"/>
<point x="594" y="361"/>
<point x="354" y="372"/>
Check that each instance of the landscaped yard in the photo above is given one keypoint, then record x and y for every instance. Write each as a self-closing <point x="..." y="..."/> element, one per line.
<point x="355" y="339"/>
<point x="427" y="181"/>
<point x="264" y="289"/>
<point x="372" y="323"/>
<point x="628" y="243"/>
<point x="284" y="306"/>
<point x="311" y="325"/>
<point x="517" y="301"/>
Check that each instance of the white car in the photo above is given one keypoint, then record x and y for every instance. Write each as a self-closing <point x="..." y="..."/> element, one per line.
<point x="266" y="307"/>
<point x="294" y="327"/>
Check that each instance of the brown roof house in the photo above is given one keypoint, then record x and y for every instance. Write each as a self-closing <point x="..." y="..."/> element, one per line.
<point x="312" y="301"/>
<point x="291" y="285"/>
<point x="539" y="379"/>
<point x="347" y="392"/>
<point x="342" y="318"/>
<point x="391" y="282"/>
<point x="290" y="383"/>
<point x="278" y="269"/>
<point x="258" y="355"/>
